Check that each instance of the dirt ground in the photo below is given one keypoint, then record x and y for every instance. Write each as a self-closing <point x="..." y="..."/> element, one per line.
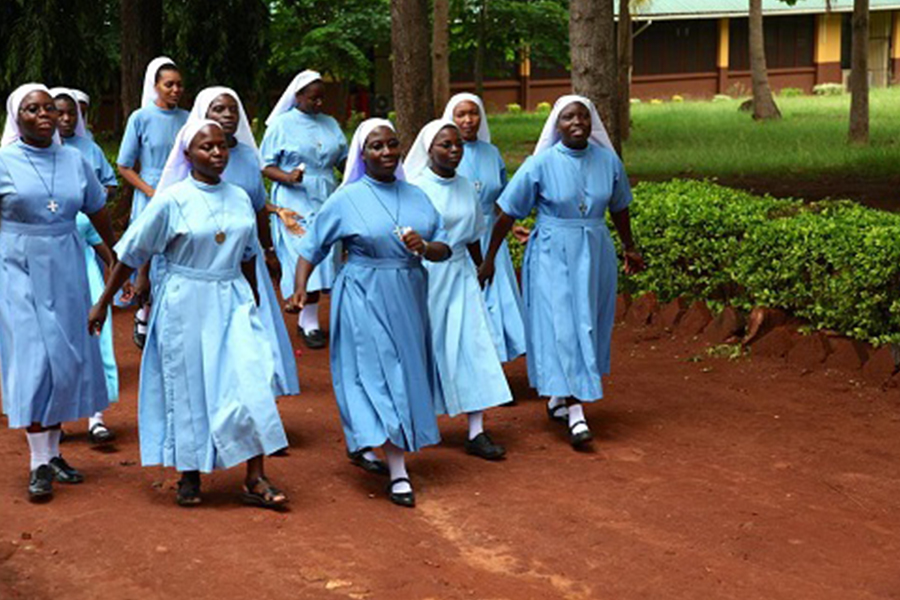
<point x="710" y="478"/>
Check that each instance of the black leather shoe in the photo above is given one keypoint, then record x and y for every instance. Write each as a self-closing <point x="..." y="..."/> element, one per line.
<point x="482" y="446"/>
<point x="139" y="338"/>
<point x="406" y="499"/>
<point x="559" y="413"/>
<point x="314" y="340"/>
<point x="369" y="466"/>
<point x="100" y="434"/>
<point x="64" y="472"/>
<point x="40" y="486"/>
<point x="579" y="440"/>
<point x="188" y="489"/>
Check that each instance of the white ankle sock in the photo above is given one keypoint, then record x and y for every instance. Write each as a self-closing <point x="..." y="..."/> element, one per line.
<point x="558" y="401"/>
<point x="96" y="419"/>
<point x="370" y="455"/>
<point x="143" y="313"/>
<point x="396" y="460"/>
<point x="476" y="424"/>
<point x="576" y="414"/>
<point x="55" y="436"/>
<point x="39" y="443"/>
<point x="309" y="318"/>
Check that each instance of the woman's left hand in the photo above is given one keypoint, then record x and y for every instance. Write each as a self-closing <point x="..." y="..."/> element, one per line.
<point x="414" y="242"/>
<point x="634" y="262"/>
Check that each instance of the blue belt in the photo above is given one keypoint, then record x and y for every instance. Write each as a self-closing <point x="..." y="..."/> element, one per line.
<point x="38" y="229"/>
<point x="589" y="222"/>
<point x="412" y="262"/>
<point x="203" y="274"/>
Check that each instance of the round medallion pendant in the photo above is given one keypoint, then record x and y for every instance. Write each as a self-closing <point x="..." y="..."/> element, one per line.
<point x="220" y="237"/>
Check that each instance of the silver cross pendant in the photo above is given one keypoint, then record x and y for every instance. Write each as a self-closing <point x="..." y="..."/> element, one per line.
<point x="52" y="206"/>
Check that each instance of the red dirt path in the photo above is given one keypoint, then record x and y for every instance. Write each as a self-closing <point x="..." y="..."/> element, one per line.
<point x="712" y="479"/>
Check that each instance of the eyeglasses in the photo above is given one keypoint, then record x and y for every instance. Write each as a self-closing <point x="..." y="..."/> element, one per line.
<point x="35" y="109"/>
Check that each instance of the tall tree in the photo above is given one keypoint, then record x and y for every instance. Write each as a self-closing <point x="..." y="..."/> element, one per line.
<point x="480" y="44"/>
<point x="626" y="60"/>
<point x="764" y="106"/>
<point x="410" y="49"/>
<point x="859" y="74"/>
<point x="440" y="54"/>
<point x="141" y="39"/>
<point x="592" y="43"/>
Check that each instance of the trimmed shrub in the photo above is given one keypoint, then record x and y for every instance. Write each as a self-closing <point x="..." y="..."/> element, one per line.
<point x="513" y="108"/>
<point x="790" y="92"/>
<point x="543" y="108"/>
<point x="677" y="98"/>
<point x="828" y="89"/>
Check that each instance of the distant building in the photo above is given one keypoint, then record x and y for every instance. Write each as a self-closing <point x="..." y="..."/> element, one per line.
<point x="699" y="48"/>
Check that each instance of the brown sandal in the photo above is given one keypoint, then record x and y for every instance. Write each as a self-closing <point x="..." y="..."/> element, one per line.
<point x="262" y="493"/>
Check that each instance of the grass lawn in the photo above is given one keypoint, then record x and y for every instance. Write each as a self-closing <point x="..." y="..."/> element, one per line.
<point x="714" y="139"/>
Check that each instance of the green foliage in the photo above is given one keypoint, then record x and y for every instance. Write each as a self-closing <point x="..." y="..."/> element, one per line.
<point x="543" y="108"/>
<point x="828" y="89"/>
<point x="790" y="92"/>
<point x="513" y="108"/>
<point x="335" y="38"/>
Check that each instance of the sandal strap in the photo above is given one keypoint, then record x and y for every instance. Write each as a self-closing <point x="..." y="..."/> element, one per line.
<point x="269" y="491"/>
<point x="398" y="480"/>
<point x="577" y="423"/>
<point x="556" y="408"/>
<point x="96" y="425"/>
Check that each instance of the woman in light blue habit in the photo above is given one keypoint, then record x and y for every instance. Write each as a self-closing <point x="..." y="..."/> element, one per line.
<point x="382" y="366"/>
<point x="569" y="274"/>
<point x="205" y="399"/>
<point x="471" y="375"/>
<point x="300" y="151"/>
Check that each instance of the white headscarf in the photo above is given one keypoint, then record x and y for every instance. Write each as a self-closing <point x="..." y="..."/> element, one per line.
<point x="81" y="96"/>
<point x="244" y="134"/>
<point x="80" y="130"/>
<point x="484" y="134"/>
<point x="150" y="95"/>
<point x="288" y="99"/>
<point x="356" y="168"/>
<point x="177" y="165"/>
<point x="418" y="159"/>
<point x="550" y="134"/>
<point x="11" y="132"/>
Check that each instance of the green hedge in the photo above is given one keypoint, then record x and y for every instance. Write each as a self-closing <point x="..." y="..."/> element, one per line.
<point x="834" y="263"/>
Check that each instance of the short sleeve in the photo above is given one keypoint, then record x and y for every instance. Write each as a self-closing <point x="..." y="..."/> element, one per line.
<point x="86" y="230"/>
<point x="438" y="231"/>
<point x="621" y="196"/>
<point x="478" y="225"/>
<point x="130" y="148"/>
<point x="94" y="192"/>
<point x="105" y="171"/>
<point x="326" y="229"/>
<point x="520" y="194"/>
<point x="342" y="142"/>
<point x="270" y="149"/>
<point x="250" y="249"/>
<point x="258" y="195"/>
<point x="501" y="166"/>
<point x="148" y="234"/>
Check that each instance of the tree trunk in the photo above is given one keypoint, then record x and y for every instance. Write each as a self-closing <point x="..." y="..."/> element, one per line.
<point x="764" y="106"/>
<point x="592" y="43"/>
<point x="479" y="49"/>
<point x="440" y="55"/>
<point x="626" y="61"/>
<point x="859" y="74"/>
<point x="141" y="32"/>
<point x="410" y="47"/>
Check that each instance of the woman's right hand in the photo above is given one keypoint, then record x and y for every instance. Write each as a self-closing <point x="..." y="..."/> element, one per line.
<point x="295" y="303"/>
<point x="96" y="318"/>
<point x="142" y="287"/>
<point x="290" y="220"/>
<point x="295" y="177"/>
<point x="486" y="271"/>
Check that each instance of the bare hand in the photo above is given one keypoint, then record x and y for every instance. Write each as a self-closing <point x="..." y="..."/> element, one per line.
<point x="634" y="262"/>
<point x="521" y="233"/>
<point x="414" y="242"/>
<point x="273" y="265"/>
<point x="142" y="287"/>
<point x="291" y="220"/>
<point x="295" y="303"/>
<point x="127" y="292"/>
<point x="295" y="177"/>
<point x="96" y="317"/>
<point x="486" y="272"/>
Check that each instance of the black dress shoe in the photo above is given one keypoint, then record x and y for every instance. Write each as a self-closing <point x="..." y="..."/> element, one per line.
<point x="100" y="434"/>
<point x="406" y="499"/>
<point x="559" y="413"/>
<point x="40" y="486"/>
<point x="579" y="440"/>
<point x="369" y="466"/>
<point x="188" y="489"/>
<point x="139" y="338"/>
<point x="64" y="472"/>
<point x="482" y="445"/>
<point x="314" y="340"/>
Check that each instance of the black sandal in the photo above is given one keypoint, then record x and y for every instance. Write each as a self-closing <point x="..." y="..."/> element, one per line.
<point x="100" y="434"/>
<point x="405" y="499"/>
<point x="188" y="490"/>
<point x="139" y="338"/>
<point x="269" y="497"/>
<point x="579" y="439"/>
<point x="554" y="415"/>
<point x="376" y="466"/>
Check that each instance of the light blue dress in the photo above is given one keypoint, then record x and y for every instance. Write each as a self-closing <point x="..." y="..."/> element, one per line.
<point x="243" y="171"/>
<point x="107" y="177"/>
<point x="205" y="398"/>
<point x="483" y="166"/>
<point x="316" y="140"/>
<point x="51" y="367"/>
<point x="472" y="377"/>
<point x="382" y="366"/>
<point x="570" y="268"/>
<point x="91" y="238"/>
<point x="149" y="136"/>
